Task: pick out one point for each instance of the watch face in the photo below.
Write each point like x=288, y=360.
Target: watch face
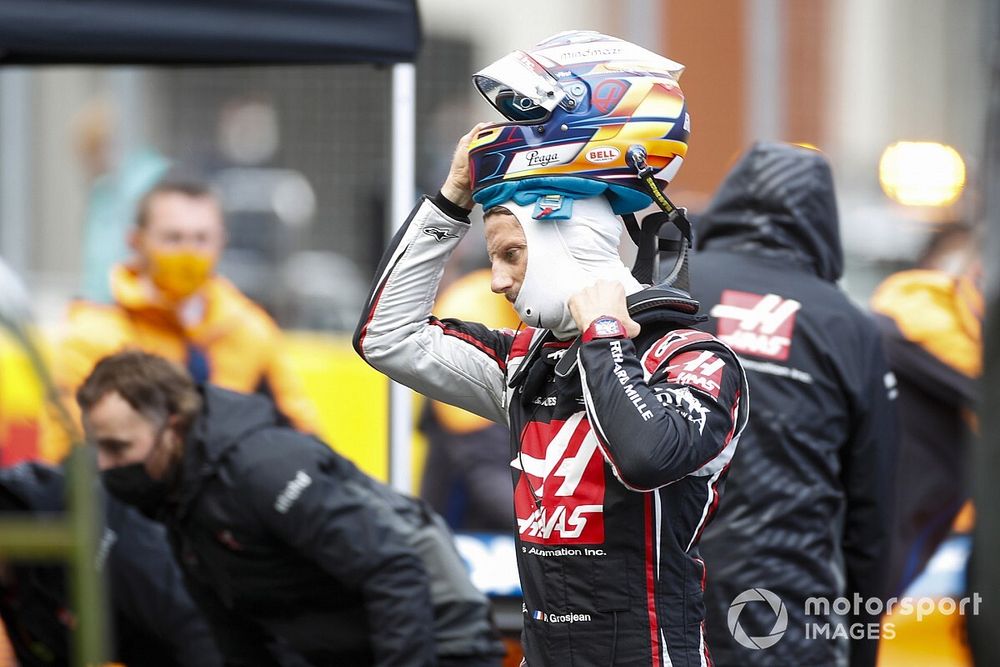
x=607, y=326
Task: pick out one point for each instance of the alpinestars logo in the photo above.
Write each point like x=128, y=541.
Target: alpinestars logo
x=563, y=469
x=760, y=325
x=440, y=234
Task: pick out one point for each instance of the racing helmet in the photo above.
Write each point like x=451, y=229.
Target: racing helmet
x=577, y=104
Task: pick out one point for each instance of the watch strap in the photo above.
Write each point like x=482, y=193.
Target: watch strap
x=604, y=326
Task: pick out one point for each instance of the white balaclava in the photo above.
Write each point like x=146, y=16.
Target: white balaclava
x=564, y=257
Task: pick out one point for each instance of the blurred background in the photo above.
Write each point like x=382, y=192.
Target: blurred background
x=894, y=92
x=301, y=153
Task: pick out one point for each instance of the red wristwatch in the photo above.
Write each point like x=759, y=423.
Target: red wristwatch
x=604, y=326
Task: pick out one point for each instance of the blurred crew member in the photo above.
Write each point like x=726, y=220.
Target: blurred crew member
x=931, y=323
x=117, y=184
x=155, y=622
x=170, y=301
x=623, y=418
x=806, y=509
x=285, y=545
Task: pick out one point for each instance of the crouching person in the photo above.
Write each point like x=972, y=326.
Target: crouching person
x=289, y=549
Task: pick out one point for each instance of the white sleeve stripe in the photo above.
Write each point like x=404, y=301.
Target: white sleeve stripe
x=657, y=512
x=404, y=242
x=712, y=493
x=667, y=662
x=373, y=304
x=389, y=267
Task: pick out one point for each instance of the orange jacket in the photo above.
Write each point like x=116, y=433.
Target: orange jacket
x=241, y=343
x=938, y=312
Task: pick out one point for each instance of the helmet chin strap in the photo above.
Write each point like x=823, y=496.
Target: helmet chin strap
x=646, y=237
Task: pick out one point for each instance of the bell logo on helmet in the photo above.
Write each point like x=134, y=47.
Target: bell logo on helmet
x=602, y=155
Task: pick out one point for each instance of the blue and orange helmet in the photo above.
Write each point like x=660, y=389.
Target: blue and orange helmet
x=576, y=103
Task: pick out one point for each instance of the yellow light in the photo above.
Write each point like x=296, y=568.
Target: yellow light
x=921, y=173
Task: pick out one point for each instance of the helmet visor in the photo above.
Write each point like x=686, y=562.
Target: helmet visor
x=519, y=88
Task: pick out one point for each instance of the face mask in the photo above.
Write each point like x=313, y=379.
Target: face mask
x=133, y=485
x=179, y=274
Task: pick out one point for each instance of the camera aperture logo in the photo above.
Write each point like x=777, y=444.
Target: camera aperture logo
x=757, y=595
x=840, y=618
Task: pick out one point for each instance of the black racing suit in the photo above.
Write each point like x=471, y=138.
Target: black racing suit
x=155, y=622
x=806, y=511
x=618, y=453
x=293, y=552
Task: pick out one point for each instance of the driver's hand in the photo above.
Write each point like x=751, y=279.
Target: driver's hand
x=457, y=187
x=603, y=298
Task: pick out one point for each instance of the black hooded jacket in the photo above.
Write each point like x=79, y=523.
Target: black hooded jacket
x=156, y=624
x=931, y=328
x=292, y=551
x=806, y=507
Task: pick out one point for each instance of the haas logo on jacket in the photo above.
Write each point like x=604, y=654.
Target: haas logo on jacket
x=559, y=498
x=698, y=368
x=760, y=325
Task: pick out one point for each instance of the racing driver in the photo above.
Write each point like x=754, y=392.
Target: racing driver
x=623, y=418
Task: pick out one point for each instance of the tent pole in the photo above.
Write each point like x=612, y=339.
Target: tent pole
x=403, y=157
x=16, y=176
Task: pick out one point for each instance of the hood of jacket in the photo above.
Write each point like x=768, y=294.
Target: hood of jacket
x=226, y=419
x=779, y=201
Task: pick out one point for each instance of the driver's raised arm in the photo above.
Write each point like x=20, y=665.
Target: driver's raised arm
x=462, y=363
